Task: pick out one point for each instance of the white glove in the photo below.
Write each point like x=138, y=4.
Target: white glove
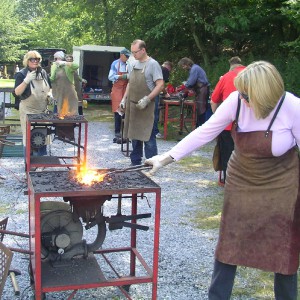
x=143, y=103
x=50, y=98
x=158, y=161
x=29, y=77
x=122, y=105
x=61, y=62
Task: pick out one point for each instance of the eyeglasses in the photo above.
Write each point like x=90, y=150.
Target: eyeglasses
x=245, y=97
x=135, y=52
x=34, y=59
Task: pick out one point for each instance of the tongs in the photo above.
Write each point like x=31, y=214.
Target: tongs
x=130, y=169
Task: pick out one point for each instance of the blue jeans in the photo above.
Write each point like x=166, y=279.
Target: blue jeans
x=137, y=149
x=156, y=115
x=285, y=286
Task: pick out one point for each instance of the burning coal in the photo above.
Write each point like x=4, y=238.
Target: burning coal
x=89, y=176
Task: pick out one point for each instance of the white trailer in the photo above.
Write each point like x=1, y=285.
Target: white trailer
x=94, y=65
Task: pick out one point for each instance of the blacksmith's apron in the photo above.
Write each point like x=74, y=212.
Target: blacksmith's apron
x=201, y=97
x=64, y=92
x=260, y=224
x=118, y=90
x=36, y=103
x=138, y=123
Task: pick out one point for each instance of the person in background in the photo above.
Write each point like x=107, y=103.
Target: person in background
x=223, y=89
x=118, y=75
x=33, y=88
x=63, y=85
x=166, y=69
x=78, y=81
x=260, y=223
x=145, y=83
x=17, y=69
x=197, y=81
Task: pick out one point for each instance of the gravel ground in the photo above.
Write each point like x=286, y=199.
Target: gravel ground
x=186, y=252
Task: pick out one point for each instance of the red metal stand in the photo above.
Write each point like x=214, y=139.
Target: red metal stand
x=48, y=279
x=180, y=119
x=56, y=161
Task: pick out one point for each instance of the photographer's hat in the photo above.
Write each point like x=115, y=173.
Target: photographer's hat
x=126, y=52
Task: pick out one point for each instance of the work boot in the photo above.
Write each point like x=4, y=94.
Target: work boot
x=121, y=141
x=117, y=137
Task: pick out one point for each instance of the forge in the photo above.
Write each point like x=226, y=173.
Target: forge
x=63, y=209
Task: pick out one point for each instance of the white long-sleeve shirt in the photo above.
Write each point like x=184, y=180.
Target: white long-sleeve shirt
x=286, y=127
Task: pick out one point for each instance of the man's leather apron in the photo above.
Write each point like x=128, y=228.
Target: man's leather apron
x=260, y=224
x=138, y=123
x=118, y=90
x=36, y=103
x=201, y=96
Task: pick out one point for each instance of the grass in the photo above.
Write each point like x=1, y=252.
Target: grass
x=98, y=112
x=209, y=216
x=4, y=209
x=7, y=83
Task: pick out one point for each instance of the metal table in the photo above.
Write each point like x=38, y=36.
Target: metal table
x=50, y=122
x=63, y=184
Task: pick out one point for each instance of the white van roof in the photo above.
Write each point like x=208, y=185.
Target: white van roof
x=98, y=48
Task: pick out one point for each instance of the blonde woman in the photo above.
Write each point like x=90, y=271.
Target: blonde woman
x=260, y=224
x=33, y=87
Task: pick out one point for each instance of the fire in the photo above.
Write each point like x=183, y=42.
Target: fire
x=64, y=109
x=88, y=176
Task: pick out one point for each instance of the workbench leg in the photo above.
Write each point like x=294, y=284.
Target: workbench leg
x=156, y=245
x=166, y=120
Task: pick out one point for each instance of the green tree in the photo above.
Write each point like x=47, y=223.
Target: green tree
x=207, y=31
x=10, y=32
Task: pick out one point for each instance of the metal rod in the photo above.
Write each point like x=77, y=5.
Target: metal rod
x=130, y=169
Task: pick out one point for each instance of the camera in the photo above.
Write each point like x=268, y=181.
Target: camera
x=38, y=71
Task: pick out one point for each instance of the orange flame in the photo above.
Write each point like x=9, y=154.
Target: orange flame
x=64, y=109
x=88, y=176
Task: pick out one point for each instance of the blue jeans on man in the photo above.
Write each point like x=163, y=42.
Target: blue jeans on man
x=156, y=115
x=137, y=149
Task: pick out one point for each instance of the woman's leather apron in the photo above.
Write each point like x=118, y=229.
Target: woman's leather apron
x=138, y=123
x=36, y=103
x=118, y=90
x=260, y=224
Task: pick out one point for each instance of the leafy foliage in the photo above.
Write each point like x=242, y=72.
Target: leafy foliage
x=209, y=32
x=10, y=32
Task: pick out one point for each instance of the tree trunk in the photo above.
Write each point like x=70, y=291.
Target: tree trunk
x=200, y=45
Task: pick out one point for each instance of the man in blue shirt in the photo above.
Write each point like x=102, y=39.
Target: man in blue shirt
x=118, y=74
x=197, y=81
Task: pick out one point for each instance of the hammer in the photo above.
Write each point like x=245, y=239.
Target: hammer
x=13, y=273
